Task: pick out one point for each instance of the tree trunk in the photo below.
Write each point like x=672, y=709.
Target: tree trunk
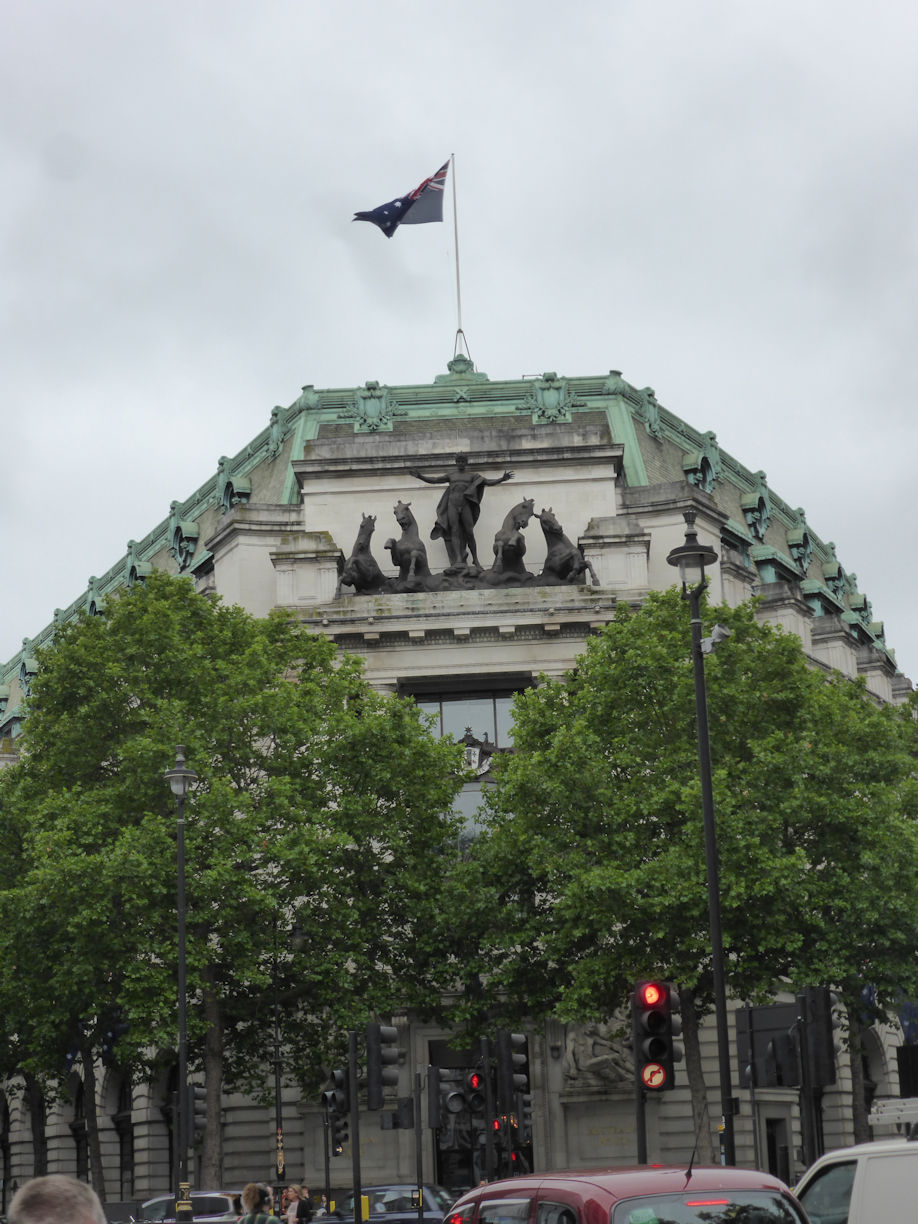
x=858, y=1095
x=212, y=1156
x=701, y=1116
x=96, y=1171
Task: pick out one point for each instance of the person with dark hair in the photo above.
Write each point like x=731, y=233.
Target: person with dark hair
x=56, y=1199
x=258, y=1201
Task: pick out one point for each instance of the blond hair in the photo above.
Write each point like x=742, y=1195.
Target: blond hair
x=56, y=1199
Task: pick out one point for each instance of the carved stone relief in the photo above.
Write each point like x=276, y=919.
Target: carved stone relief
x=594, y=1054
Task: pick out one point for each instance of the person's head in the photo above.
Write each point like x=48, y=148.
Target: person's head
x=256, y=1196
x=56, y=1199
x=295, y=1193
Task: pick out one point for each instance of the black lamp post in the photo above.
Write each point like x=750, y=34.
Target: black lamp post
x=297, y=942
x=180, y=779
x=691, y=559
x=280, y=1164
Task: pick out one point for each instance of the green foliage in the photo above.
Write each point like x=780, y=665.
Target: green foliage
x=594, y=851
x=321, y=807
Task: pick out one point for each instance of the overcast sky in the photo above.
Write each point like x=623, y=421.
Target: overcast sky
x=718, y=198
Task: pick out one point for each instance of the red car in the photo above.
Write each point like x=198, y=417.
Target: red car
x=665, y=1194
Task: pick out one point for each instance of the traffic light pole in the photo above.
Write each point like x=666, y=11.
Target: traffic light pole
x=355, y=1125
x=419, y=1145
x=326, y=1128
x=807, y=1095
x=640, y=1117
x=490, y=1111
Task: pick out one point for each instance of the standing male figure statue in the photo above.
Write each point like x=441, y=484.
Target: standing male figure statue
x=458, y=511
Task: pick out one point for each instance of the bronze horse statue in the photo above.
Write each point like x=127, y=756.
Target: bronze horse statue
x=564, y=562
x=510, y=546
x=409, y=554
x=361, y=571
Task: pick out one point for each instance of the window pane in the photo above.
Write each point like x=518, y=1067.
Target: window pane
x=504, y=722
x=708, y=1207
x=475, y=713
x=556, y=1213
x=467, y=804
x=504, y=1211
x=829, y=1194
x=432, y=707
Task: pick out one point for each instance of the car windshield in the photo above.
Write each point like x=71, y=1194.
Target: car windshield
x=708, y=1207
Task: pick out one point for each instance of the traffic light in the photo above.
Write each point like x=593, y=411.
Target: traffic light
x=197, y=1109
x=337, y=1102
x=475, y=1092
x=782, y=1068
x=445, y=1095
x=820, y=1023
x=907, y=1060
x=655, y=1027
x=512, y=1068
x=524, y=1116
x=382, y=1057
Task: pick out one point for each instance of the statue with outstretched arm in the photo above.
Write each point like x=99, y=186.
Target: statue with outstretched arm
x=458, y=510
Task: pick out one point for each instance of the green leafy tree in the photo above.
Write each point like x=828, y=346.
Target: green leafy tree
x=316, y=840
x=594, y=850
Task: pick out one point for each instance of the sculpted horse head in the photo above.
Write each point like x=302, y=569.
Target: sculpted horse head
x=519, y=516
x=550, y=524
x=365, y=530
x=404, y=517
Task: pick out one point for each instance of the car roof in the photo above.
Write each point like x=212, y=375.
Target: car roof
x=628, y=1181
x=401, y=1185
x=878, y=1147
x=171, y=1194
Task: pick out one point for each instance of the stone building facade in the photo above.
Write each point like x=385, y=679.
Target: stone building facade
x=304, y=519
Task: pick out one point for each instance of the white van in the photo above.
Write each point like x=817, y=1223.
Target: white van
x=865, y=1184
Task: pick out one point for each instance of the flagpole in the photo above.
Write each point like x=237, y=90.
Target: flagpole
x=459, y=331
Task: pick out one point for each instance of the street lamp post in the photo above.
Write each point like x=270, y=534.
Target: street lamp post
x=280, y=1169
x=691, y=559
x=180, y=779
x=297, y=942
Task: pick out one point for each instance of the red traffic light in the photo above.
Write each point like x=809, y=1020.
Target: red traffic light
x=654, y=1029
x=474, y=1092
x=651, y=993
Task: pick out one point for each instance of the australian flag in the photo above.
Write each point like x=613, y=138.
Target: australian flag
x=423, y=204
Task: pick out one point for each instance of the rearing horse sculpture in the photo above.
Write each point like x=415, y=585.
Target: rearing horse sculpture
x=361, y=571
x=510, y=545
x=564, y=562
x=408, y=551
